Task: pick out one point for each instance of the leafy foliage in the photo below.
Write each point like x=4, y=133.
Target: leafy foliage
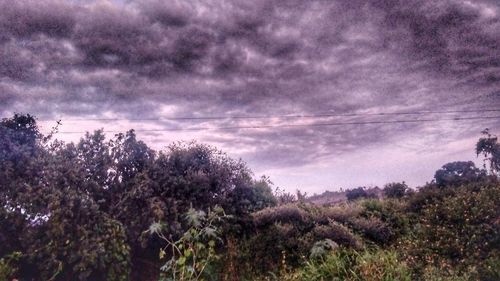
x=191, y=256
x=286, y=233
x=382, y=221
x=490, y=148
x=78, y=211
x=396, y=190
x=460, y=230
x=358, y=193
x=458, y=173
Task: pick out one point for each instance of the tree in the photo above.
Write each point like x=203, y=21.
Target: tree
x=79, y=211
x=21, y=129
x=490, y=148
x=458, y=173
x=396, y=190
x=47, y=195
x=20, y=165
x=246, y=199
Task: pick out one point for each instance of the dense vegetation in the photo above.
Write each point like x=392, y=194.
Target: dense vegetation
x=118, y=210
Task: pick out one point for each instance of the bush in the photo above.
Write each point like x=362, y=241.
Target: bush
x=381, y=221
x=396, y=190
x=193, y=255
x=337, y=233
x=290, y=231
x=289, y=213
x=374, y=229
x=342, y=213
x=274, y=245
x=428, y=195
x=96, y=249
x=458, y=231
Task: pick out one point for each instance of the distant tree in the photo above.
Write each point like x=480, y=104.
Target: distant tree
x=458, y=173
x=396, y=189
x=357, y=193
x=490, y=148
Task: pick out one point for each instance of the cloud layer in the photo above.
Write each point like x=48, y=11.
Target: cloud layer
x=157, y=59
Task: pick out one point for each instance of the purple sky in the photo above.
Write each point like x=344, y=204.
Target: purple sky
x=81, y=61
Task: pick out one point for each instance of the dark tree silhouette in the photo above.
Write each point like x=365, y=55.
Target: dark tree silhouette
x=396, y=190
x=458, y=173
x=358, y=193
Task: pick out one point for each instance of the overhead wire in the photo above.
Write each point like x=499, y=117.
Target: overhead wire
x=278, y=116
x=302, y=125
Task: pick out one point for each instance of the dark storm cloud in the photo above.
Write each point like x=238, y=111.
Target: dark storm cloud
x=456, y=39
x=14, y=65
x=117, y=38
x=175, y=14
x=213, y=58
x=28, y=18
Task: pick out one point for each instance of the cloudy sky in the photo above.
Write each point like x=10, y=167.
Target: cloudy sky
x=317, y=94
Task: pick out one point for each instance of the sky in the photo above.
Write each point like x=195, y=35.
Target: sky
x=318, y=94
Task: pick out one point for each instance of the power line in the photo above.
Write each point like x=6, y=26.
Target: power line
x=279, y=116
x=302, y=125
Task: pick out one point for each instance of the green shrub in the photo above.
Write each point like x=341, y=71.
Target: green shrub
x=374, y=229
x=381, y=221
x=337, y=233
x=396, y=190
x=287, y=233
x=428, y=195
x=267, y=249
x=457, y=231
x=289, y=213
x=192, y=256
x=342, y=213
x=94, y=249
